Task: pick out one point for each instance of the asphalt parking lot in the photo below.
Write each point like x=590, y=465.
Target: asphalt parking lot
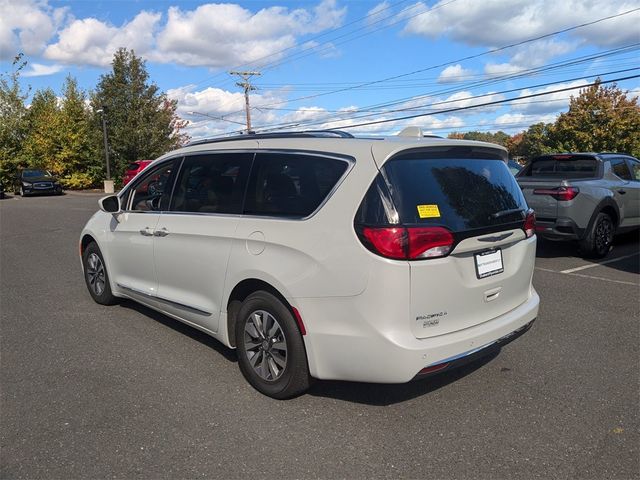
x=122, y=392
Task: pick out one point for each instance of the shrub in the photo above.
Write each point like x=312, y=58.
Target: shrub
x=77, y=181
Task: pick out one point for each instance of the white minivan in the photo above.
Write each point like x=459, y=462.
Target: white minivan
x=320, y=255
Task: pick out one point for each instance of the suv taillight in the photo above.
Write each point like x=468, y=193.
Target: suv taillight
x=529, y=226
x=408, y=243
x=560, y=193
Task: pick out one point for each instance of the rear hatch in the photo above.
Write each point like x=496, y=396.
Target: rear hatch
x=464, y=223
x=547, y=180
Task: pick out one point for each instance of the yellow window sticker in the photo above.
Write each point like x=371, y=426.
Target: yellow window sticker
x=428, y=211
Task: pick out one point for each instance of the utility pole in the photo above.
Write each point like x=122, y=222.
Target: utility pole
x=246, y=85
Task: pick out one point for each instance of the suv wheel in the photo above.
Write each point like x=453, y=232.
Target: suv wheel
x=598, y=241
x=270, y=349
x=96, y=277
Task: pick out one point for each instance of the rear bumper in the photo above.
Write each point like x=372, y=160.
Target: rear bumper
x=358, y=352
x=558, y=229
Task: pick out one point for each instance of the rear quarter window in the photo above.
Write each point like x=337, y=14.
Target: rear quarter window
x=291, y=184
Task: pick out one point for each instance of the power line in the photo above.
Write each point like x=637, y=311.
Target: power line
x=463, y=59
x=555, y=66
x=495, y=102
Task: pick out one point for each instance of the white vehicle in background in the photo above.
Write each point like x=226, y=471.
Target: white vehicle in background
x=320, y=255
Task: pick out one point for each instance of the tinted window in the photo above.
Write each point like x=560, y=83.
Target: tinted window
x=133, y=166
x=291, y=185
x=575, y=166
x=619, y=167
x=153, y=191
x=212, y=183
x=635, y=170
x=458, y=193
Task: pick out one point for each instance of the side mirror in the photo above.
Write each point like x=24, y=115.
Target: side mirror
x=110, y=204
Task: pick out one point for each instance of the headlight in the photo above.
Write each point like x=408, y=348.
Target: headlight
x=26, y=184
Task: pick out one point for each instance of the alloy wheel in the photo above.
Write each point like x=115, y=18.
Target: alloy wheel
x=604, y=235
x=96, y=274
x=265, y=345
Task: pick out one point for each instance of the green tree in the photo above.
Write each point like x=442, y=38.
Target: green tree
x=141, y=121
x=600, y=119
x=535, y=141
x=13, y=126
x=42, y=141
x=77, y=155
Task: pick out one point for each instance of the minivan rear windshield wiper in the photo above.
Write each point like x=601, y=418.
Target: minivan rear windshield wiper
x=502, y=213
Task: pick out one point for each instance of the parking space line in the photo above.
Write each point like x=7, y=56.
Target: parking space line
x=591, y=265
x=589, y=276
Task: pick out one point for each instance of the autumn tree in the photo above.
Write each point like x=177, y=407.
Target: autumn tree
x=600, y=119
x=141, y=121
x=12, y=120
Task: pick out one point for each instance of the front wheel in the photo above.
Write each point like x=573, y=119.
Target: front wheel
x=599, y=238
x=271, y=353
x=96, y=276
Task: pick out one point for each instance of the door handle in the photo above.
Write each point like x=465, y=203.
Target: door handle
x=161, y=233
x=622, y=192
x=146, y=232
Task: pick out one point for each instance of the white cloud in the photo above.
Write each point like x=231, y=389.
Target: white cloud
x=453, y=74
x=516, y=122
x=26, y=26
x=500, y=22
x=553, y=102
x=500, y=69
x=40, y=70
x=92, y=42
x=224, y=35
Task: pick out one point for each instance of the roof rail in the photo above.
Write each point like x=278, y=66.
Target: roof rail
x=259, y=136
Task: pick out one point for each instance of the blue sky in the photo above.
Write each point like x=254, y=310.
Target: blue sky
x=330, y=63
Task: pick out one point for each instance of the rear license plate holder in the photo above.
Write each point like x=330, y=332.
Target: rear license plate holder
x=489, y=263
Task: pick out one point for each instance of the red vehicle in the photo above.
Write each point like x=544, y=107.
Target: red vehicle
x=133, y=169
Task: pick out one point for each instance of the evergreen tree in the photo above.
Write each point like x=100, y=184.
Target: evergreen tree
x=141, y=121
x=42, y=142
x=82, y=166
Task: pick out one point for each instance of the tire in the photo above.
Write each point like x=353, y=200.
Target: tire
x=96, y=276
x=271, y=353
x=599, y=238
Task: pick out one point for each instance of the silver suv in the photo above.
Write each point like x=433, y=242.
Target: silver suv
x=586, y=197
x=320, y=255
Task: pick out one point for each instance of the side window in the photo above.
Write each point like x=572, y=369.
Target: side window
x=619, y=167
x=212, y=183
x=635, y=170
x=291, y=184
x=152, y=192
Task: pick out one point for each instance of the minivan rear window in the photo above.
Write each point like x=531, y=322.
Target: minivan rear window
x=457, y=193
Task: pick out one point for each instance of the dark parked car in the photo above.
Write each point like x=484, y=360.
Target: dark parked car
x=514, y=167
x=35, y=181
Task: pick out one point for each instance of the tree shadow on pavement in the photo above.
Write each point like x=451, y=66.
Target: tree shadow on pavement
x=385, y=394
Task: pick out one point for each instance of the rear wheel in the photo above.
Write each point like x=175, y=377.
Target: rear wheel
x=598, y=241
x=271, y=352
x=96, y=276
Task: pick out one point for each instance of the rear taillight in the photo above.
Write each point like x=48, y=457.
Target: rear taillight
x=529, y=226
x=409, y=243
x=560, y=193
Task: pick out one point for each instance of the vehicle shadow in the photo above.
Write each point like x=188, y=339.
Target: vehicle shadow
x=182, y=328
x=623, y=244
x=385, y=394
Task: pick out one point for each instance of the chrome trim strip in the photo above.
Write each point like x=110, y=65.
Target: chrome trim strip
x=171, y=302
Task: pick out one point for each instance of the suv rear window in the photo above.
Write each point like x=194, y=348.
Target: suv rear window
x=457, y=193
x=133, y=166
x=574, y=166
